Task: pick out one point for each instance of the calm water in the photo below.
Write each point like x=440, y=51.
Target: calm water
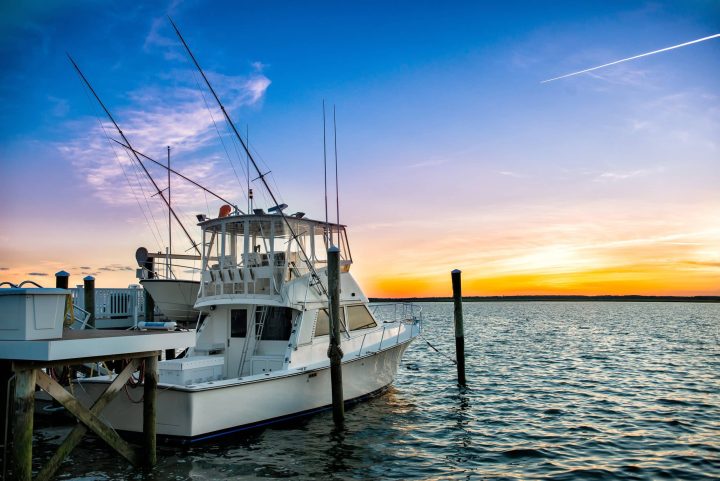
x=557, y=390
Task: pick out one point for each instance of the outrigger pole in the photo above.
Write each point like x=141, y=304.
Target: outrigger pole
x=179, y=175
x=261, y=176
x=159, y=191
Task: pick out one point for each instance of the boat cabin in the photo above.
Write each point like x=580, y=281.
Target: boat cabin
x=259, y=291
x=258, y=255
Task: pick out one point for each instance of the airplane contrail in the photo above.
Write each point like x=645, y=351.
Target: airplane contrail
x=633, y=58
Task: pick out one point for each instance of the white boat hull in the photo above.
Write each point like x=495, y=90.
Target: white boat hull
x=224, y=407
x=174, y=297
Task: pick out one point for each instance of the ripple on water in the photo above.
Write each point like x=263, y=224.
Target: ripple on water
x=566, y=391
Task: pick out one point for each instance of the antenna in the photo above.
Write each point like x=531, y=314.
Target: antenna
x=327, y=230
x=205, y=189
x=169, y=269
x=317, y=283
x=337, y=189
x=134, y=152
x=247, y=165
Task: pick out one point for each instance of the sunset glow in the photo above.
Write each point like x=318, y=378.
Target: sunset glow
x=452, y=154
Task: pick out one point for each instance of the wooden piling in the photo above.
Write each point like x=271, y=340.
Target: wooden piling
x=89, y=291
x=334, y=352
x=149, y=301
x=24, y=404
x=5, y=376
x=62, y=280
x=459, y=328
x=150, y=411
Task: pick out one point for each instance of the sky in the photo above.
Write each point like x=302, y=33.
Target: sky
x=451, y=152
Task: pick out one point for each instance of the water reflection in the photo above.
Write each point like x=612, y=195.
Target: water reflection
x=557, y=390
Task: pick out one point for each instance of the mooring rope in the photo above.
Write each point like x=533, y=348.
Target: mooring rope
x=437, y=350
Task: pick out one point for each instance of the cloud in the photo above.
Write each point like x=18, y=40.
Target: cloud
x=182, y=120
x=116, y=268
x=508, y=173
x=4, y=268
x=160, y=36
x=703, y=263
x=428, y=163
x=37, y=274
x=628, y=174
x=60, y=107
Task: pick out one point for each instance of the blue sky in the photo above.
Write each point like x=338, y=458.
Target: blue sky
x=452, y=153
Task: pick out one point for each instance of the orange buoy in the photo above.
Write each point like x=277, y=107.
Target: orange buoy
x=224, y=211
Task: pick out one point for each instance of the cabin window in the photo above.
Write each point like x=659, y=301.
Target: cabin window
x=322, y=326
x=277, y=325
x=360, y=317
x=238, y=323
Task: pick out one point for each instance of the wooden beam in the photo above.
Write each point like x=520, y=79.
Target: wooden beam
x=23, y=424
x=150, y=410
x=90, y=420
x=81, y=360
x=73, y=439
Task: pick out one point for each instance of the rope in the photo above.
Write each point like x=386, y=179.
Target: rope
x=438, y=351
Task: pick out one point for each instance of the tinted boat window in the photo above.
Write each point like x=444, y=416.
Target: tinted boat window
x=360, y=317
x=278, y=322
x=238, y=323
x=322, y=326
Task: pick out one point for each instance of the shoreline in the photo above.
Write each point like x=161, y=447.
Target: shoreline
x=556, y=298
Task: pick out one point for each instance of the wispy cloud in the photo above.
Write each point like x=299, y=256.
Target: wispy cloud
x=428, y=163
x=624, y=175
x=181, y=119
x=508, y=173
x=116, y=268
x=37, y=274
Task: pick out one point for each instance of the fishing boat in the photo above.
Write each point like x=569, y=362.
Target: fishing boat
x=175, y=297
x=263, y=335
x=261, y=350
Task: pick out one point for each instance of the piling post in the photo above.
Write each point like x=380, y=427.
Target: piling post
x=89, y=294
x=150, y=411
x=6, y=374
x=334, y=352
x=61, y=280
x=149, y=301
x=24, y=404
x=459, y=328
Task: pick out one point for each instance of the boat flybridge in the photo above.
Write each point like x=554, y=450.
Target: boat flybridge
x=262, y=338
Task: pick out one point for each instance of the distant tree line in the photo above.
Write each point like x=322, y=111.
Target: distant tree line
x=553, y=298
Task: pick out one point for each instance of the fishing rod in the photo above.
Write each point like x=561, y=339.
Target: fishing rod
x=157, y=188
x=261, y=176
x=178, y=174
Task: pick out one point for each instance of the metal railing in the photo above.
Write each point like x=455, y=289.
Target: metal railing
x=113, y=303
x=391, y=335
x=396, y=312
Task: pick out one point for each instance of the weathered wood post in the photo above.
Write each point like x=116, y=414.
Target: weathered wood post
x=149, y=301
x=459, y=328
x=23, y=423
x=334, y=352
x=89, y=294
x=6, y=373
x=62, y=280
x=150, y=410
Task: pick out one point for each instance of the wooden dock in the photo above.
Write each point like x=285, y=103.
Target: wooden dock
x=25, y=360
